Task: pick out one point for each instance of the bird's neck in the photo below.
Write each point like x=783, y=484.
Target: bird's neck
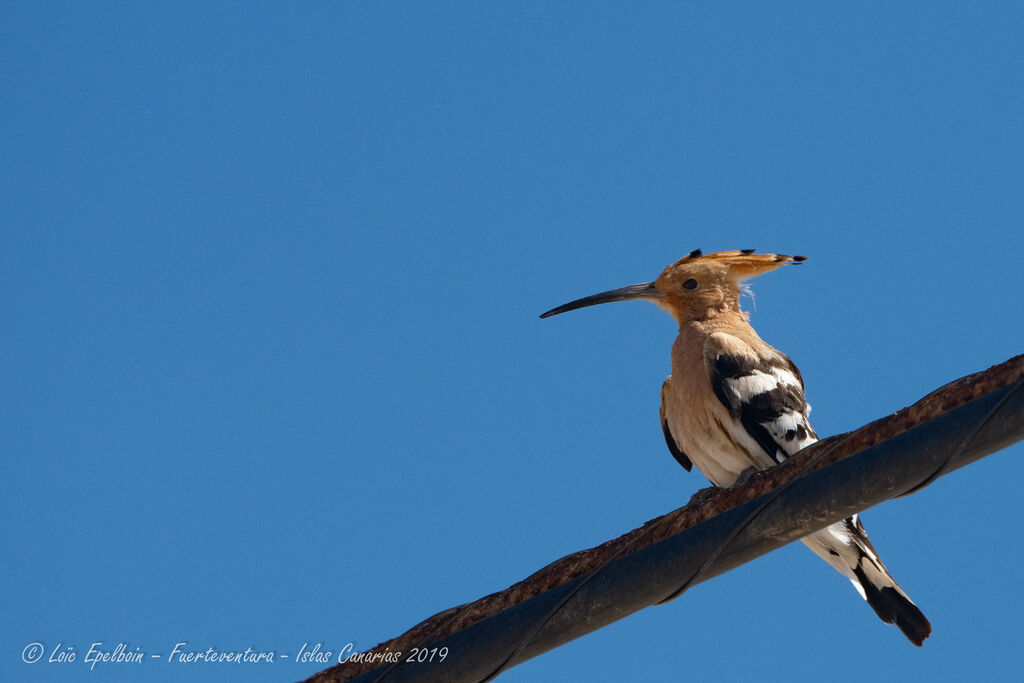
x=688, y=349
x=732, y=321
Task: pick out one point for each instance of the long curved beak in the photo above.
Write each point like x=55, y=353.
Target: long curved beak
x=644, y=290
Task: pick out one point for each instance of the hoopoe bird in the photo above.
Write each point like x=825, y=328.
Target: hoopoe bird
x=733, y=402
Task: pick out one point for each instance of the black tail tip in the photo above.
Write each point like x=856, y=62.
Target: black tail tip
x=916, y=630
x=892, y=607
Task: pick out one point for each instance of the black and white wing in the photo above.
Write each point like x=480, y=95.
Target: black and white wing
x=763, y=391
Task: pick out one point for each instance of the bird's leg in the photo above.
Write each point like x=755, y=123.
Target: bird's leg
x=703, y=496
x=745, y=477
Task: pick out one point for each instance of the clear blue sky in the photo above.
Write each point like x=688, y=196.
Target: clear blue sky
x=272, y=368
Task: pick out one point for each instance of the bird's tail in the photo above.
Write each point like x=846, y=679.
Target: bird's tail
x=846, y=547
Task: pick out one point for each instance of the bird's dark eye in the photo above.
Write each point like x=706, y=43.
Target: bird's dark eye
x=690, y=284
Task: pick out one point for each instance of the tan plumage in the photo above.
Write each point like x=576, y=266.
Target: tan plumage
x=734, y=402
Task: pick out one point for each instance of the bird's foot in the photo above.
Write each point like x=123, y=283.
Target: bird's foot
x=745, y=477
x=703, y=496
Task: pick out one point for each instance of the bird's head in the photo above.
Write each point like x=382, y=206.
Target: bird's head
x=696, y=286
